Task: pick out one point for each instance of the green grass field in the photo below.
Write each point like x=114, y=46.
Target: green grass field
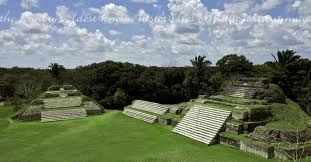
x=109, y=137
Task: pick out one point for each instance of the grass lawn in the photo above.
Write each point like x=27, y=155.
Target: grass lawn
x=109, y=137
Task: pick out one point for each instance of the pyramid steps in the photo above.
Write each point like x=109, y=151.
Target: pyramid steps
x=150, y=107
x=52, y=103
x=202, y=123
x=58, y=115
x=140, y=115
x=243, y=92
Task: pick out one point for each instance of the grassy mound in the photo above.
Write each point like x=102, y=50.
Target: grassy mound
x=274, y=94
x=110, y=137
x=288, y=116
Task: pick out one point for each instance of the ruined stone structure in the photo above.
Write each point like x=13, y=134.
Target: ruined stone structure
x=60, y=103
x=245, y=88
x=202, y=123
x=145, y=110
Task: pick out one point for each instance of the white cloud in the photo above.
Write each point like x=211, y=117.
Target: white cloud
x=26, y=42
x=270, y=4
x=28, y=4
x=168, y=43
x=239, y=6
x=3, y=2
x=144, y=1
x=142, y=16
x=113, y=13
x=303, y=7
x=114, y=32
x=297, y=4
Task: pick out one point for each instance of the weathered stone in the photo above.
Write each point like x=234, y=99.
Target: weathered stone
x=272, y=135
x=259, y=114
x=294, y=136
x=31, y=114
x=185, y=110
x=236, y=128
x=69, y=87
x=62, y=102
x=203, y=97
x=230, y=142
x=174, y=123
x=92, y=109
x=264, y=134
x=250, y=126
x=175, y=110
x=292, y=154
x=164, y=121
x=240, y=115
x=260, y=150
x=54, y=88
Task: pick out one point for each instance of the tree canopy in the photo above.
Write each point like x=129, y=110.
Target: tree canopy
x=56, y=69
x=233, y=64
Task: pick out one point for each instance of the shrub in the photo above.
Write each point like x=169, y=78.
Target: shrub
x=37, y=102
x=120, y=98
x=274, y=94
x=86, y=99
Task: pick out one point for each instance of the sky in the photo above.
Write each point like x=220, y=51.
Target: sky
x=35, y=33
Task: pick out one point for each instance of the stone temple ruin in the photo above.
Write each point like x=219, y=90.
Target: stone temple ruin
x=146, y=111
x=234, y=118
x=60, y=103
x=202, y=123
x=245, y=87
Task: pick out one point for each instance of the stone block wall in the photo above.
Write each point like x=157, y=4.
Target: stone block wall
x=292, y=154
x=230, y=142
x=33, y=113
x=263, y=151
x=164, y=121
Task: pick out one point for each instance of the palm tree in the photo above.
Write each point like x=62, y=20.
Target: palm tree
x=281, y=69
x=282, y=61
x=56, y=69
x=200, y=66
x=285, y=58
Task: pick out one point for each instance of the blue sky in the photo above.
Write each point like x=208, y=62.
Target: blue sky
x=166, y=43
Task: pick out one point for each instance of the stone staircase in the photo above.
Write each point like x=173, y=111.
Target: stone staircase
x=242, y=92
x=202, y=123
x=62, y=114
x=52, y=103
x=140, y=115
x=150, y=107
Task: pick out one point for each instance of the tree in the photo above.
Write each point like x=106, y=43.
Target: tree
x=27, y=88
x=234, y=65
x=6, y=90
x=284, y=71
x=56, y=69
x=286, y=58
x=200, y=66
x=120, y=98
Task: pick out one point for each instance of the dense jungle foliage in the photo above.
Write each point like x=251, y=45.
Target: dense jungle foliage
x=115, y=84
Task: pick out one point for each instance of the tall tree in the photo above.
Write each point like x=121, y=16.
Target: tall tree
x=284, y=71
x=56, y=69
x=200, y=66
x=234, y=65
x=284, y=59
